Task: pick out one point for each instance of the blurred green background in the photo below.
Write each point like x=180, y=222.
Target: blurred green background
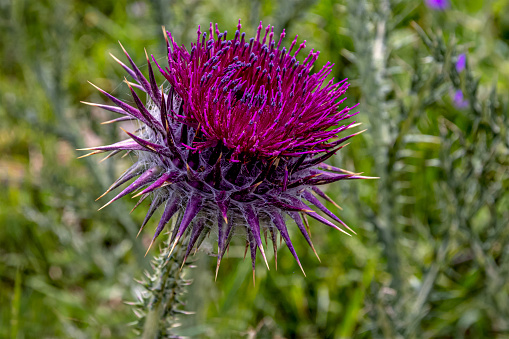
x=431, y=257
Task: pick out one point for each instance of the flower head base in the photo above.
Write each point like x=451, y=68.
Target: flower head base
x=236, y=141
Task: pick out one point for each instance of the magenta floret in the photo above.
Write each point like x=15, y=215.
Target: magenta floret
x=254, y=96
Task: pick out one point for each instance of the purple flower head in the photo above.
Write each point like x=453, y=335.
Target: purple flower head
x=461, y=63
x=438, y=5
x=236, y=141
x=458, y=100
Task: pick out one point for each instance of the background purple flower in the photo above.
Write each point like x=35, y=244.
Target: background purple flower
x=438, y=5
x=458, y=100
x=461, y=62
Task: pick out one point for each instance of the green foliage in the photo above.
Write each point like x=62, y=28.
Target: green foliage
x=431, y=256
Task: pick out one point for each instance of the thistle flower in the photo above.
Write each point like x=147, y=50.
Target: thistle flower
x=236, y=141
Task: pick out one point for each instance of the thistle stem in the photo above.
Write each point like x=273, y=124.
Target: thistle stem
x=167, y=285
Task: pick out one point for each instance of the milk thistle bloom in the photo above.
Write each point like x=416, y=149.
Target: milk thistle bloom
x=236, y=141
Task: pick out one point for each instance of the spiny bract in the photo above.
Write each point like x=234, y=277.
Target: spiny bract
x=235, y=141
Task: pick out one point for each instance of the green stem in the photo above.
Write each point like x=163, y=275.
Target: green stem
x=165, y=285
